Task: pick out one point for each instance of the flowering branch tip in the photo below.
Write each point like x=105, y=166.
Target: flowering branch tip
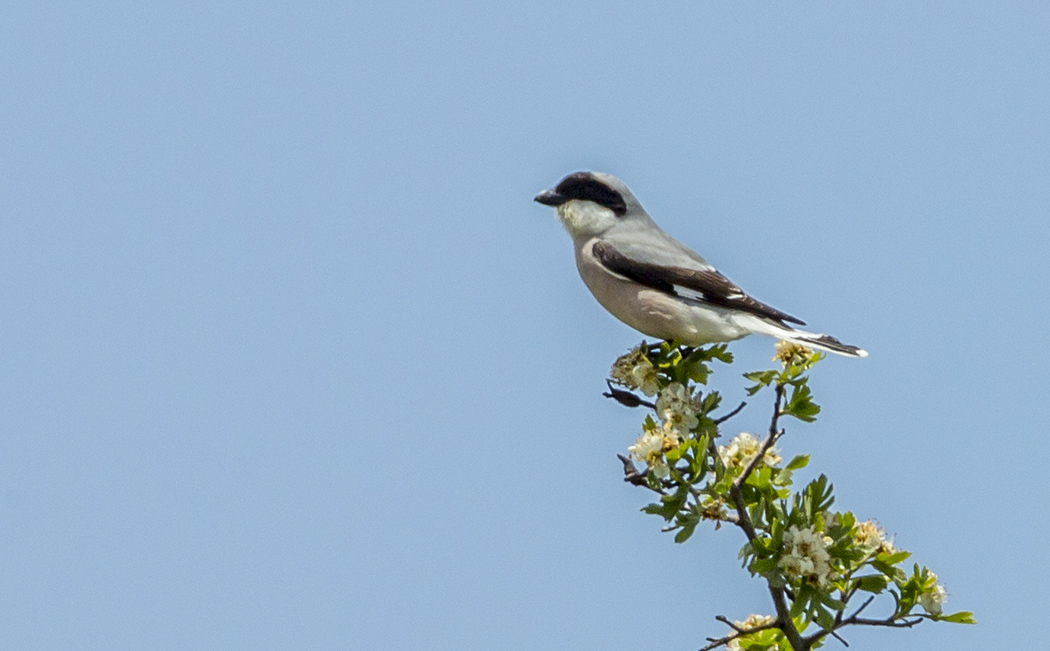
x=815, y=561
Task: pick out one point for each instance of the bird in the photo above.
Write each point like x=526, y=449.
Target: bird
x=654, y=283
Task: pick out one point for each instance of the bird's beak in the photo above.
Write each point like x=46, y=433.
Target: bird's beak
x=550, y=198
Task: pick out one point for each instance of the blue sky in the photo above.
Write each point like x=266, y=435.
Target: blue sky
x=290, y=359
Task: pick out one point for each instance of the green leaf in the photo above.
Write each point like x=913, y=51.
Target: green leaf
x=688, y=524
x=800, y=603
x=823, y=617
x=762, y=546
x=893, y=559
x=745, y=551
x=721, y=353
x=798, y=462
x=695, y=370
x=710, y=402
x=843, y=528
x=874, y=583
x=761, y=379
x=698, y=466
x=783, y=478
x=760, y=477
x=765, y=377
x=961, y=617
x=763, y=566
x=721, y=487
x=800, y=404
x=892, y=573
x=669, y=505
x=829, y=601
x=694, y=365
x=816, y=498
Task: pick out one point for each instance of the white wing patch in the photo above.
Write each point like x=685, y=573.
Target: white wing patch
x=688, y=292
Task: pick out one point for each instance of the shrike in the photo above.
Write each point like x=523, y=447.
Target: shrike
x=654, y=283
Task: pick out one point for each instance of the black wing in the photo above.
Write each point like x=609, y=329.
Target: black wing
x=698, y=284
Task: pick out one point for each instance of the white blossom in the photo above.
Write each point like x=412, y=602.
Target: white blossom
x=805, y=555
x=932, y=600
x=742, y=449
x=870, y=535
x=650, y=447
x=660, y=468
x=752, y=621
x=677, y=407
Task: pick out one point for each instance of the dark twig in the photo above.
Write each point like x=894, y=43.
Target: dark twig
x=743, y=519
x=739, y=632
x=725, y=620
x=846, y=596
x=736, y=411
x=626, y=398
x=632, y=476
x=855, y=619
x=863, y=606
x=892, y=623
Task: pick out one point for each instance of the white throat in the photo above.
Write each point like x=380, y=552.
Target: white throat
x=585, y=218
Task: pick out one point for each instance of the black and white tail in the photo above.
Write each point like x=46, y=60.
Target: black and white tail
x=813, y=340
x=825, y=342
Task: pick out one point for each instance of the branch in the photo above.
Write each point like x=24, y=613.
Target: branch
x=855, y=619
x=784, y=621
x=774, y=434
x=632, y=476
x=740, y=632
x=626, y=398
x=736, y=411
x=863, y=606
x=757, y=459
x=889, y=621
x=725, y=620
x=735, y=489
x=743, y=518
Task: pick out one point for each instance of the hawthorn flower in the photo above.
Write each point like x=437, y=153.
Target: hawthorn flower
x=752, y=621
x=790, y=353
x=805, y=555
x=871, y=536
x=635, y=371
x=650, y=447
x=742, y=449
x=677, y=407
x=932, y=599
